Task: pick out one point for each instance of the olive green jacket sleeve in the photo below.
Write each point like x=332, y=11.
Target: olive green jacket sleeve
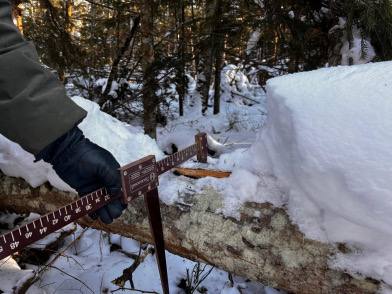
x=34, y=108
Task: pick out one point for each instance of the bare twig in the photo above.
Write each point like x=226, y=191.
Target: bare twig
x=120, y=54
x=71, y=276
x=61, y=253
x=128, y=272
x=194, y=279
x=132, y=289
x=250, y=99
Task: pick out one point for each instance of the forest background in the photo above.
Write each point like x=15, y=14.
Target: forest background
x=135, y=58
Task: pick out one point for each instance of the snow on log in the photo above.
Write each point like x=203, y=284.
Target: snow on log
x=322, y=160
x=262, y=245
x=327, y=142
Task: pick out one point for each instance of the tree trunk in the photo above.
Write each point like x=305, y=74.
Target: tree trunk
x=217, y=83
x=206, y=54
x=113, y=75
x=263, y=245
x=181, y=78
x=194, y=40
x=61, y=50
x=219, y=46
x=150, y=99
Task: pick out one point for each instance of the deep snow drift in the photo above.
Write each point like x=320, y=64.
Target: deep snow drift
x=328, y=140
x=325, y=153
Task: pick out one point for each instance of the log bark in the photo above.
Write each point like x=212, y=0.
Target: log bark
x=263, y=245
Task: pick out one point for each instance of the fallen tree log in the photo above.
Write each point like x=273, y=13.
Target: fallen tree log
x=263, y=245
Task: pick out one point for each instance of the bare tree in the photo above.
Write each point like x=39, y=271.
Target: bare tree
x=181, y=78
x=218, y=49
x=150, y=99
x=210, y=47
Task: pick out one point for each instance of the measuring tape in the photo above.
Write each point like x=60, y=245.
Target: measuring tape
x=138, y=178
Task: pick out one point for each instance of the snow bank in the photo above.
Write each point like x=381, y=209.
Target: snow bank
x=12, y=276
x=328, y=140
x=125, y=142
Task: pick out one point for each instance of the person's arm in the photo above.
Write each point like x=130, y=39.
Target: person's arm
x=34, y=109
x=36, y=113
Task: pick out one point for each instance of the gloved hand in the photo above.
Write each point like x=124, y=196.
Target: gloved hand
x=86, y=167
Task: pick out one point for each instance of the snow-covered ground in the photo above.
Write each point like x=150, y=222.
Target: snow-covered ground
x=242, y=113
x=88, y=263
x=324, y=154
x=89, y=266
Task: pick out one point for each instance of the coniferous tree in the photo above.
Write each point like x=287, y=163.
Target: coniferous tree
x=88, y=41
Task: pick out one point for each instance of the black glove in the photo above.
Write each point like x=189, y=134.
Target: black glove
x=86, y=167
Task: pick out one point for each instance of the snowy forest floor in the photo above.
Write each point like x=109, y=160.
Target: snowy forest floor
x=330, y=175
x=87, y=260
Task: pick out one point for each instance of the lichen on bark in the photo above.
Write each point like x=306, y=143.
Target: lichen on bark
x=263, y=245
